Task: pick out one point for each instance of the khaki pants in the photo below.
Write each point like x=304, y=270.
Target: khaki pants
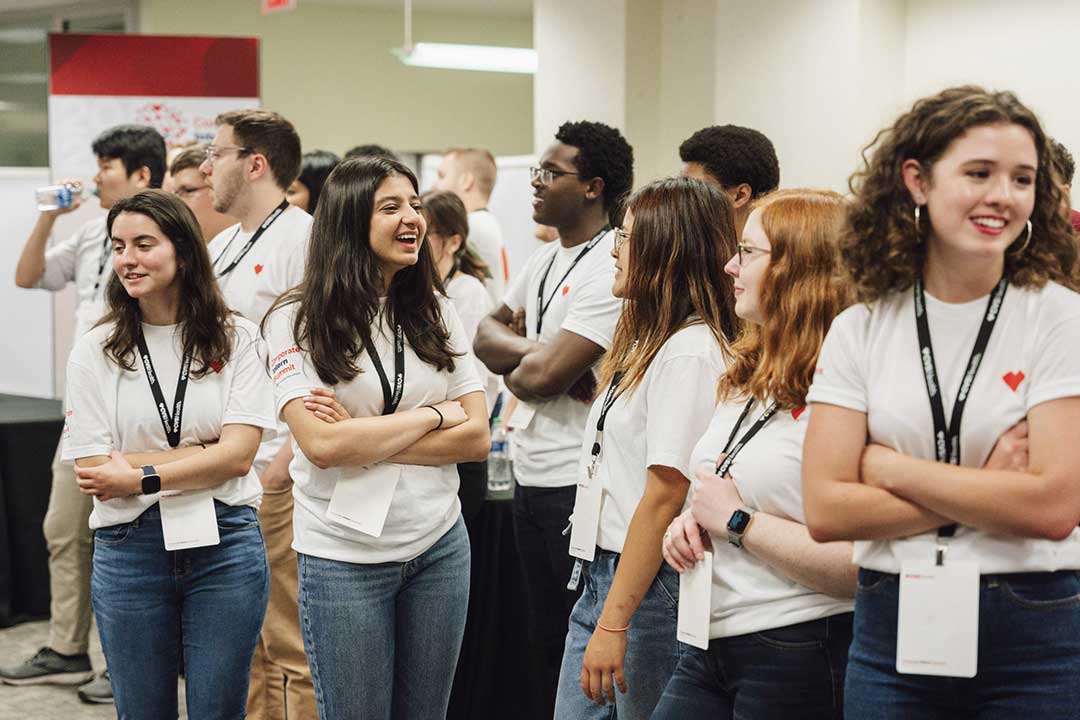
x=280, y=680
x=70, y=544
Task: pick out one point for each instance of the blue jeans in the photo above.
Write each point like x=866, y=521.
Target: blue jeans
x=152, y=604
x=788, y=672
x=382, y=640
x=652, y=650
x=1029, y=654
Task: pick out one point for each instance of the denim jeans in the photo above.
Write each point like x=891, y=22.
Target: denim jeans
x=652, y=650
x=788, y=672
x=382, y=640
x=540, y=516
x=151, y=604
x=1029, y=654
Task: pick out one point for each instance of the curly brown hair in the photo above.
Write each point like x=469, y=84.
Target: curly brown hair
x=880, y=245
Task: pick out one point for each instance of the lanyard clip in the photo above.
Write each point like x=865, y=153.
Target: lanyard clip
x=939, y=555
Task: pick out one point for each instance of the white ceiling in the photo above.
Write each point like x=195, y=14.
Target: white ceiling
x=512, y=8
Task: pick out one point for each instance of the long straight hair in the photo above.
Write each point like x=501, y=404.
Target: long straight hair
x=802, y=291
x=204, y=318
x=339, y=296
x=683, y=234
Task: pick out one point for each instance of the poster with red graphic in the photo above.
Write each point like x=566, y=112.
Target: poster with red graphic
x=176, y=84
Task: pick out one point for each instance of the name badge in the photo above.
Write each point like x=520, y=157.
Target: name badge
x=938, y=626
x=522, y=416
x=188, y=520
x=695, y=603
x=586, y=522
x=362, y=496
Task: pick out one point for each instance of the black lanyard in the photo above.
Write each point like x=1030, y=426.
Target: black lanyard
x=105, y=253
x=274, y=214
x=391, y=398
x=541, y=306
x=169, y=421
x=609, y=400
x=729, y=457
x=947, y=437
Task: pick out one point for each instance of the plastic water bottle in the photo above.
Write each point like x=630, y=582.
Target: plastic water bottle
x=60, y=197
x=500, y=466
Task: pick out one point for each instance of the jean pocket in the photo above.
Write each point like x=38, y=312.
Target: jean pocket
x=113, y=534
x=802, y=636
x=1043, y=591
x=231, y=519
x=666, y=586
x=872, y=581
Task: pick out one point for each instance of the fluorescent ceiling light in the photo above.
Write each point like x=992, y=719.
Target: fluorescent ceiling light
x=22, y=36
x=489, y=58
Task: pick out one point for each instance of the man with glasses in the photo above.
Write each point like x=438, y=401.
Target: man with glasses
x=130, y=158
x=190, y=185
x=570, y=316
x=253, y=159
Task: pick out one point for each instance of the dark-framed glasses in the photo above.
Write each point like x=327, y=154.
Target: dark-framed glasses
x=748, y=252
x=547, y=176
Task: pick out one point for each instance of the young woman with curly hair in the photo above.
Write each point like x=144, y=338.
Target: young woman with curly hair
x=779, y=620
x=967, y=538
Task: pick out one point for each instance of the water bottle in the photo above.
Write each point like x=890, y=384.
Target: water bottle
x=60, y=197
x=500, y=468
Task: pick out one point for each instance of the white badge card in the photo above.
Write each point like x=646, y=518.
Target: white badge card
x=586, y=523
x=938, y=626
x=695, y=603
x=188, y=520
x=362, y=496
x=523, y=415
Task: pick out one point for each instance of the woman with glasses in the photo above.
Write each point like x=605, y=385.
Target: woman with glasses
x=657, y=395
x=776, y=616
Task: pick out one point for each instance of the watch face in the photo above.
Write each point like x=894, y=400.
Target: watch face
x=739, y=521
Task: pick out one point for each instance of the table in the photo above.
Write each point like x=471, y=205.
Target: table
x=29, y=431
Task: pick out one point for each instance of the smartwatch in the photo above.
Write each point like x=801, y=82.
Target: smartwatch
x=738, y=525
x=151, y=481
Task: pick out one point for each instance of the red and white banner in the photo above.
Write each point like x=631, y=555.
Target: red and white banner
x=176, y=84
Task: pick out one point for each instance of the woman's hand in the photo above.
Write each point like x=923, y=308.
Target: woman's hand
x=715, y=500
x=604, y=657
x=1011, y=450
x=324, y=404
x=453, y=414
x=113, y=479
x=685, y=542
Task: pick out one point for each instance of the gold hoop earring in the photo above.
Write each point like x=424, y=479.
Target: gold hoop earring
x=1027, y=240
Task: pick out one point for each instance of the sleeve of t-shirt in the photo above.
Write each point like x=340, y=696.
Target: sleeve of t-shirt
x=251, y=394
x=463, y=379
x=60, y=261
x=594, y=310
x=289, y=369
x=87, y=431
x=1055, y=373
x=840, y=378
x=681, y=400
x=516, y=295
x=474, y=306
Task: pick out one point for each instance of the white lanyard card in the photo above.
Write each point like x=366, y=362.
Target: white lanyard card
x=938, y=619
x=188, y=520
x=586, y=518
x=362, y=496
x=695, y=603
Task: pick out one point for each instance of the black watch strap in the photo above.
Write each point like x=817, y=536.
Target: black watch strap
x=151, y=481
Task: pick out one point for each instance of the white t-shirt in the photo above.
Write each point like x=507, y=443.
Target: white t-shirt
x=870, y=363
x=486, y=237
x=546, y=450
x=657, y=424
x=748, y=595
x=274, y=265
x=85, y=258
x=110, y=408
x=425, y=503
x=473, y=303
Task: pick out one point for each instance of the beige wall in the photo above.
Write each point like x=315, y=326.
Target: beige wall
x=329, y=69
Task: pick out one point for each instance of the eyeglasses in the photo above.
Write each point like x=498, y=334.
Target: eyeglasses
x=748, y=252
x=546, y=176
x=186, y=192
x=621, y=236
x=213, y=153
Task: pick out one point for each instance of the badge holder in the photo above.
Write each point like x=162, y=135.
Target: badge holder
x=188, y=519
x=695, y=603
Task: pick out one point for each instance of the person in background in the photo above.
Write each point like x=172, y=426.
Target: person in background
x=170, y=155
x=1065, y=169
x=371, y=150
x=190, y=185
x=315, y=166
x=130, y=158
x=741, y=161
x=470, y=173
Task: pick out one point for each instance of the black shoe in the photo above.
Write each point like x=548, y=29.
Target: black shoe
x=98, y=690
x=49, y=667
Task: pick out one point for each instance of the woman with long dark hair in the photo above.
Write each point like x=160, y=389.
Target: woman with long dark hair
x=383, y=553
x=168, y=401
x=658, y=381
x=315, y=167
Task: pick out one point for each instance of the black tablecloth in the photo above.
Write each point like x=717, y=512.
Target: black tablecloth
x=29, y=430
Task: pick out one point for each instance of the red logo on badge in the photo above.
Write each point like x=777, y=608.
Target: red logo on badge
x=216, y=365
x=258, y=269
x=1013, y=379
x=798, y=411
x=565, y=289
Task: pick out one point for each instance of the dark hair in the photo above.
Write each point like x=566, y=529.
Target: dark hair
x=446, y=215
x=315, y=166
x=205, y=321
x=371, y=151
x=734, y=155
x=269, y=134
x=339, y=296
x=191, y=157
x=602, y=153
x=1063, y=162
x=881, y=245
x=137, y=146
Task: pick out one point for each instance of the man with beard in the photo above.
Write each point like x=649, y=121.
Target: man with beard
x=254, y=157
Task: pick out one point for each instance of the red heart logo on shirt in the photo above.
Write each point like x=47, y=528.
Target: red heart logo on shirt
x=565, y=289
x=258, y=269
x=798, y=411
x=216, y=365
x=1013, y=379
